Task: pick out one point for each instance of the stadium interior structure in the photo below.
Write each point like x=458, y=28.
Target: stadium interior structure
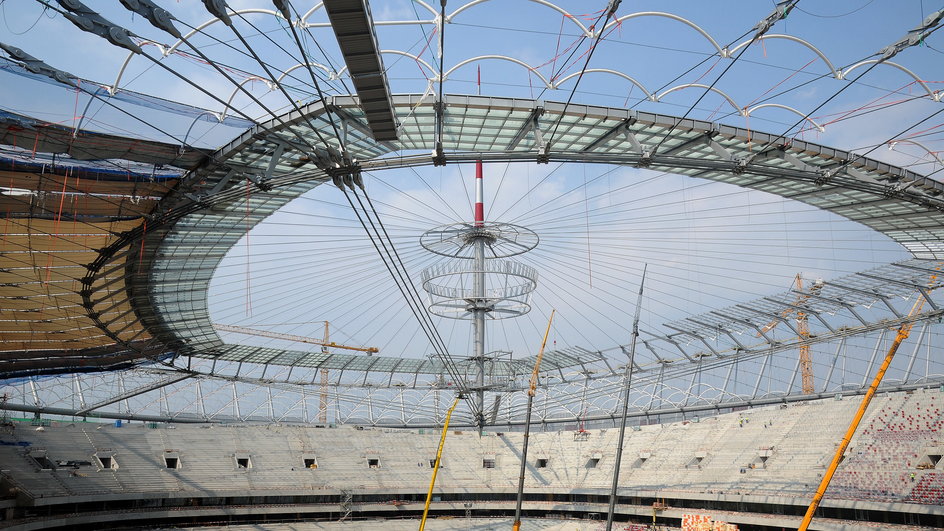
x=647, y=261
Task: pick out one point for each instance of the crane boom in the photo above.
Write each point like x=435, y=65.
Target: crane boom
x=289, y=337
x=903, y=332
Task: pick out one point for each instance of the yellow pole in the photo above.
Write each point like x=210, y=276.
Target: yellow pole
x=432, y=482
x=903, y=331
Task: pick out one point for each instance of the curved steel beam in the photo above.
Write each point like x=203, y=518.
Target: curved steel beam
x=583, y=29
x=818, y=127
x=836, y=73
x=501, y=58
x=936, y=96
x=649, y=95
x=214, y=20
x=892, y=143
x=721, y=51
x=331, y=75
x=168, y=51
x=707, y=87
x=113, y=89
x=229, y=101
x=395, y=52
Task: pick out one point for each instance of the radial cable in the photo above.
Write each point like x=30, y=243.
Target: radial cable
x=415, y=298
x=407, y=294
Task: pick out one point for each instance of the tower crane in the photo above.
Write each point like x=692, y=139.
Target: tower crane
x=301, y=339
x=325, y=345
x=803, y=329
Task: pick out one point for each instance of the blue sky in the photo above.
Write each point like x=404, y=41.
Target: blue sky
x=709, y=245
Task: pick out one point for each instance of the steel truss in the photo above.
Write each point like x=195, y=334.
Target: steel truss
x=692, y=371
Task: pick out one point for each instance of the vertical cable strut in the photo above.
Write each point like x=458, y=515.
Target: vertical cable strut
x=627, y=381
x=903, y=332
x=527, y=425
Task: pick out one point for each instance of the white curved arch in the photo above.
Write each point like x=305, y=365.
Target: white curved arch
x=287, y=71
x=173, y=48
x=788, y=108
x=303, y=20
x=214, y=20
x=696, y=27
x=395, y=52
x=936, y=96
x=499, y=57
x=649, y=95
x=707, y=87
x=562, y=11
x=836, y=73
x=113, y=89
x=239, y=87
x=891, y=145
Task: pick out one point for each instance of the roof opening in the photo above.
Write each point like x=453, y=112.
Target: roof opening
x=432, y=463
x=488, y=462
x=373, y=462
x=107, y=461
x=310, y=462
x=243, y=462
x=541, y=462
x=42, y=461
x=593, y=462
x=172, y=462
x=929, y=461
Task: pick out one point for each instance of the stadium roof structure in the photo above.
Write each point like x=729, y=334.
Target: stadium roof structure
x=113, y=241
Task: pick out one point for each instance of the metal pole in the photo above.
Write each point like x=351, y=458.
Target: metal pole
x=527, y=425
x=627, y=380
x=478, y=294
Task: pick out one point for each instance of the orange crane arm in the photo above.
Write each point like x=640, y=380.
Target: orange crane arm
x=289, y=337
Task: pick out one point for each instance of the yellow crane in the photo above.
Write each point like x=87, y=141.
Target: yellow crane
x=803, y=329
x=903, y=332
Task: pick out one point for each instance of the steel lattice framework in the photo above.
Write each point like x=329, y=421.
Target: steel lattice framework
x=141, y=292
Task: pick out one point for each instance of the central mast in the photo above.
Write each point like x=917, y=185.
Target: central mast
x=478, y=284
x=480, y=304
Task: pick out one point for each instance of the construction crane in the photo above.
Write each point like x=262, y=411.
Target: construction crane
x=325, y=345
x=323, y=401
x=803, y=329
x=904, y=330
x=288, y=337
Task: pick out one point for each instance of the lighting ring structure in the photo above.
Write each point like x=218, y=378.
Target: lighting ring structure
x=508, y=285
x=169, y=265
x=503, y=240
